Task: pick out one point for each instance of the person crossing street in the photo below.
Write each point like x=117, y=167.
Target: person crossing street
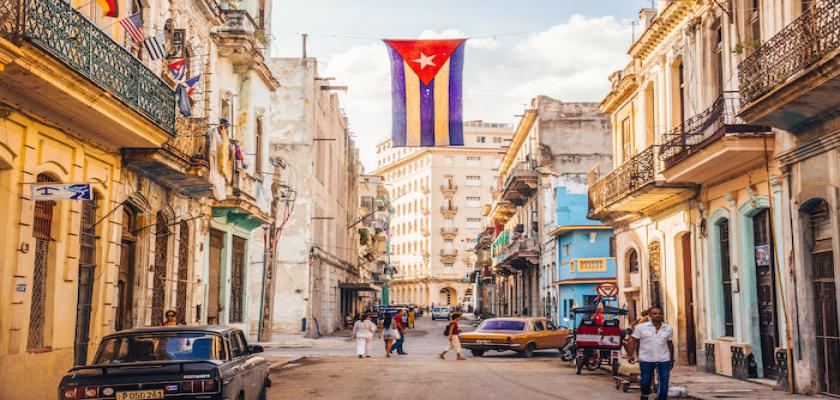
x=452, y=331
x=364, y=329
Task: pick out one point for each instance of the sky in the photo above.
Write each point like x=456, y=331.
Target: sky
x=517, y=49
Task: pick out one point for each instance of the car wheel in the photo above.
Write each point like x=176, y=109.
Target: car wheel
x=477, y=353
x=578, y=365
x=529, y=351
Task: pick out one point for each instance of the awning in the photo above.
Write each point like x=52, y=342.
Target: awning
x=359, y=287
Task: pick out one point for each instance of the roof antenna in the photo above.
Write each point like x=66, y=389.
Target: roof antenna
x=303, y=37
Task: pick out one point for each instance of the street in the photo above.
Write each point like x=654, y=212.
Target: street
x=336, y=373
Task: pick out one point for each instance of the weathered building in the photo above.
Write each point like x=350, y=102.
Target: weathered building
x=555, y=144
x=437, y=194
x=318, y=250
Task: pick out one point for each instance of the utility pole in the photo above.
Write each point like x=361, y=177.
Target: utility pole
x=269, y=283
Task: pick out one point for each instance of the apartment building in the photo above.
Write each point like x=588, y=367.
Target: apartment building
x=437, y=194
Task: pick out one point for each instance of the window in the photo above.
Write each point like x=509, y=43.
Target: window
x=473, y=223
x=588, y=299
x=448, y=268
x=448, y=244
x=633, y=262
x=473, y=180
x=161, y=277
x=538, y=326
x=42, y=232
x=237, y=344
x=473, y=201
x=87, y=265
x=593, y=237
x=567, y=249
x=258, y=161
x=626, y=141
x=448, y=161
x=754, y=15
x=473, y=161
x=173, y=346
x=726, y=277
x=481, y=139
x=497, y=139
x=717, y=59
x=449, y=223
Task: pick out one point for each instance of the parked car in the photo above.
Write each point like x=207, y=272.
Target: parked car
x=523, y=335
x=440, y=313
x=179, y=362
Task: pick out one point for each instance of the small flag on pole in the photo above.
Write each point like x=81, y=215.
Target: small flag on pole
x=191, y=84
x=110, y=8
x=178, y=70
x=183, y=100
x=154, y=45
x=133, y=25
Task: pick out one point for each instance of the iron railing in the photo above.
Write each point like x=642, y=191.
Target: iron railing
x=805, y=41
x=704, y=128
x=191, y=139
x=57, y=28
x=633, y=174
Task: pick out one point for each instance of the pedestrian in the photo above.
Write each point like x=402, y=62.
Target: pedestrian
x=654, y=340
x=644, y=318
x=399, y=326
x=452, y=331
x=170, y=318
x=525, y=312
x=364, y=329
x=388, y=333
x=411, y=317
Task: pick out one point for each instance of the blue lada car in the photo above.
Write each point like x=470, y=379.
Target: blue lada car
x=179, y=362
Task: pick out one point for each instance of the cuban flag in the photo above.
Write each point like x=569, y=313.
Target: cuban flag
x=178, y=70
x=426, y=92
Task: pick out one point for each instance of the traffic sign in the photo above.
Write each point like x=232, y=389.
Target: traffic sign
x=607, y=289
x=61, y=191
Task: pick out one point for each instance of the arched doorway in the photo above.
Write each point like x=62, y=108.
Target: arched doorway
x=655, y=274
x=685, y=314
x=126, y=275
x=631, y=269
x=447, y=296
x=159, y=278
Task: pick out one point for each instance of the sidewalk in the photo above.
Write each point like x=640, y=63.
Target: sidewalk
x=301, y=342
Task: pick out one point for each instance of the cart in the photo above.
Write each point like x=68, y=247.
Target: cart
x=598, y=342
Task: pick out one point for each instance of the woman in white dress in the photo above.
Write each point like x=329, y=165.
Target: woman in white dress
x=364, y=330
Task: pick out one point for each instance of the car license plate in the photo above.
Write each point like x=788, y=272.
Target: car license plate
x=140, y=395
x=484, y=341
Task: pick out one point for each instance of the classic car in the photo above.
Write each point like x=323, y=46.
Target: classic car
x=440, y=312
x=179, y=362
x=523, y=335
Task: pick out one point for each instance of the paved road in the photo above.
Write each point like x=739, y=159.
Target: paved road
x=336, y=373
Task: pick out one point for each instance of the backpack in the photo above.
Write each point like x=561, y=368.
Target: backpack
x=446, y=330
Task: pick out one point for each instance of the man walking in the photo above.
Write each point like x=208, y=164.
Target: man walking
x=654, y=340
x=364, y=329
x=399, y=325
x=452, y=332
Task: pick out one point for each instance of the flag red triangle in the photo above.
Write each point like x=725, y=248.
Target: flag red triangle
x=425, y=57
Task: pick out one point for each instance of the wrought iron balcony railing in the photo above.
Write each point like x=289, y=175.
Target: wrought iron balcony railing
x=57, y=28
x=704, y=128
x=633, y=174
x=191, y=139
x=805, y=41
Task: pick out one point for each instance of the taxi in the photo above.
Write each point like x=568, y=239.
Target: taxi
x=523, y=335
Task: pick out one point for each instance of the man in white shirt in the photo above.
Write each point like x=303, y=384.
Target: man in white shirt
x=654, y=340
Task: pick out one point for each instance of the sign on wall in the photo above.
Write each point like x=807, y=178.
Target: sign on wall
x=61, y=191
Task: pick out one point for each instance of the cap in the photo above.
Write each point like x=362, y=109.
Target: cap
x=224, y=122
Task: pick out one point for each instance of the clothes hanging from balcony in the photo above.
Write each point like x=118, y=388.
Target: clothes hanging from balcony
x=216, y=156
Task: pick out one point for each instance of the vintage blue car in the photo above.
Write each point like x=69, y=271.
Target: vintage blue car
x=179, y=362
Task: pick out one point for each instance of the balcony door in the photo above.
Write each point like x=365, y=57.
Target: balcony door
x=217, y=244
x=765, y=286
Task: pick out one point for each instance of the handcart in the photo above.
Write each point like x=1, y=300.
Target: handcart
x=598, y=342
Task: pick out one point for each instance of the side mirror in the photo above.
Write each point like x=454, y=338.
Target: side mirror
x=255, y=348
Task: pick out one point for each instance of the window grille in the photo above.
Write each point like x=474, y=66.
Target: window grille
x=159, y=281
x=183, y=261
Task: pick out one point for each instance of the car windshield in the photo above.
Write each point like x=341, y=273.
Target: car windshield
x=161, y=347
x=502, y=325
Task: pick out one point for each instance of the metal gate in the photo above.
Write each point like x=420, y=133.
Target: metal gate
x=655, y=270
x=41, y=231
x=827, y=329
x=161, y=255
x=183, y=261
x=237, y=280
x=87, y=265
x=765, y=285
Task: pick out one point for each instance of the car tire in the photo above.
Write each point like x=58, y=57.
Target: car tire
x=529, y=351
x=477, y=353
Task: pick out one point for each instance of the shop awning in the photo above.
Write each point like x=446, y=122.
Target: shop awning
x=359, y=287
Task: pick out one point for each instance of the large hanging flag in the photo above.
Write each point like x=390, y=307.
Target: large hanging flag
x=426, y=92
x=110, y=8
x=154, y=45
x=133, y=25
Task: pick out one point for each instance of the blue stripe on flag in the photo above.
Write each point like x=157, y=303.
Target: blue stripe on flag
x=398, y=118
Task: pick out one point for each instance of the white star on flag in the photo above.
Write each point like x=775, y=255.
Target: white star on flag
x=425, y=60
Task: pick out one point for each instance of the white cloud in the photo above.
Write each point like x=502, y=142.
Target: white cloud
x=569, y=62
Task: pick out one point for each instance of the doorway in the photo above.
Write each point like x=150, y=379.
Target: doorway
x=217, y=244
x=687, y=299
x=827, y=328
x=765, y=286
x=237, y=280
x=125, y=276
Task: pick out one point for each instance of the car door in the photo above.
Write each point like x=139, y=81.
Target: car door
x=539, y=334
x=556, y=336
x=238, y=381
x=255, y=369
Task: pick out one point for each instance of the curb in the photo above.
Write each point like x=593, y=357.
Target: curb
x=278, y=365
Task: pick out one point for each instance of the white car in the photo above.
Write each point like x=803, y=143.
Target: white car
x=440, y=312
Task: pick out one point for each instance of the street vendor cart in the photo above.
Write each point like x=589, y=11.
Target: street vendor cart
x=598, y=337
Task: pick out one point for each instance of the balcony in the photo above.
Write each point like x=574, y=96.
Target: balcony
x=523, y=252
x=714, y=145
x=424, y=210
x=243, y=41
x=449, y=232
x=57, y=62
x=791, y=81
x=181, y=163
x=587, y=270
x=448, y=255
x=634, y=187
x=448, y=188
x=520, y=184
x=424, y=189
x=502, y=210
x=448, y=210
x=499, y=248
x=242, y=207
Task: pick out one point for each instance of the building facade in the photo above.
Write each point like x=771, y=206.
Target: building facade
x=703, y=195
x=584, y=257
x=556, y=144
x=437, y=194
x=372, y=226
x=318, y=249
x=83, y=269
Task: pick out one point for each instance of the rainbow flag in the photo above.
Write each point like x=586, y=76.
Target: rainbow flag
x=426, y=92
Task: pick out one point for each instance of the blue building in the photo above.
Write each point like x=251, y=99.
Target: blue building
x=584, y=249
